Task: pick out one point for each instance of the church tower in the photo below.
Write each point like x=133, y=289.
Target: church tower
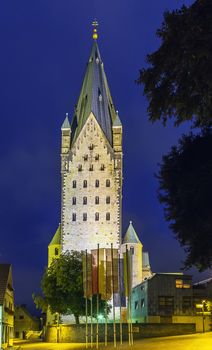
x=91, y=166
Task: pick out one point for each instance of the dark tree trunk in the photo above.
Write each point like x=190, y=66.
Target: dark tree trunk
x=76, y=319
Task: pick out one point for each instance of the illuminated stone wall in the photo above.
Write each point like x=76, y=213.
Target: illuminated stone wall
x=91, y=214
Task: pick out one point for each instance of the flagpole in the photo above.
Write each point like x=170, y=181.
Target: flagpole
x=91, y=320
x=120, y=323
x=106, y=298
x=97, y=300
x=128, y=292
x=131, y=267
x=114, y=316
x=86, y=300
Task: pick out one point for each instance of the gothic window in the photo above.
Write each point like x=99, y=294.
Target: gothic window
x=107, y=216
x=97, y=183
x=107, y=183
x=85, y=183
x=74, y=184
x=102, y=167
x=97, y=216
x=97, y=157
x=56, y=251
x=84, y=200
x=84, y=216
x=91, y=167
x=80, y=167
x=74, y=216
x=74, y=201
x=108, y=200
x=97, y=200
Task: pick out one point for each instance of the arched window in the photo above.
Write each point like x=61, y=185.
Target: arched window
x=74, y=184
x=107, y=183
x=102, y=167
x=56, y=251
x=80, y=167
x=96, y=200
x=84, y=216
x=85, y=183
x=74, y=216
x=107, y=216
x=108, y=200
x=74, y=201
x=97, y=216
x=84, y=200
x=97, y=183
x=91, y=167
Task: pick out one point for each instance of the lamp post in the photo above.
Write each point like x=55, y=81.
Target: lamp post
x=203, y=315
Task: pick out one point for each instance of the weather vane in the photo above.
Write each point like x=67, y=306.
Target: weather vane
x=95, y=25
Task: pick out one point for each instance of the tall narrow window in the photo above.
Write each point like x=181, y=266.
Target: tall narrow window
x=80, y=167
x=97, y=216
x=97, y=200
x=85, y=183
x=85, y=157
x=108, y=200
x=102, y=167
x=84, y=216
x=107, y=183
x=91, y=167
x=74, y=201
x=107, y=216
x=97, y=157
x=91, y=146
x=84, y=200
x=74, y=184
x=74, y=216
x=97, y=183
x=56, y=251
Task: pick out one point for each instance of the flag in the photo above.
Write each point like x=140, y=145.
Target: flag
x=87, y=274
x=127, y=271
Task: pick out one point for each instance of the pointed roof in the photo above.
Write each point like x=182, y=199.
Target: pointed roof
x=66, y=124
x=131, y=235
x=57, y=237
x=5, y=279
x=117, y=121
x=94, y=97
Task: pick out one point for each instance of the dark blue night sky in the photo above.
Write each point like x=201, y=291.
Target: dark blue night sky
x=45, y=45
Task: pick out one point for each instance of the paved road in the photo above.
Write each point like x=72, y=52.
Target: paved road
x=183, y=342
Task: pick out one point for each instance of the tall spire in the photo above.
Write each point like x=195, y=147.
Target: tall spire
x=94, y=97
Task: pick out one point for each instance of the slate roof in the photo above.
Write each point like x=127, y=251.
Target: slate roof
x=66, y=124
x=145, y=259
x=57, y=236
x=4, y=277
x=131, y=235
x=94, y=97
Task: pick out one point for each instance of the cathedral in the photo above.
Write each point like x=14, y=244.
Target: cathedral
x=92, y=175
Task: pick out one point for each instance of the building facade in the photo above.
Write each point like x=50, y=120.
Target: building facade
x=91, y=166
x=6, y=306
x=168, y=298
x=25, y=325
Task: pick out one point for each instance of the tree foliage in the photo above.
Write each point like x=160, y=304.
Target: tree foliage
x=178, y=79
x=62, y=286
x=185, y=179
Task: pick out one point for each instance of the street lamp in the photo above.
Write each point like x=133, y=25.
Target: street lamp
x=203, y=315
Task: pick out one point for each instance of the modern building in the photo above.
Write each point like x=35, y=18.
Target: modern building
x=25, y=325
x=167, y=298
x=6, y=306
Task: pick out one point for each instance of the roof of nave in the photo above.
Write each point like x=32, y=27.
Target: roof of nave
x=5, y=278
x=57, y=236
x=131, y=236
x=94, y=97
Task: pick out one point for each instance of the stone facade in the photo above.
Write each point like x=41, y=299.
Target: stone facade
x=91, y=191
